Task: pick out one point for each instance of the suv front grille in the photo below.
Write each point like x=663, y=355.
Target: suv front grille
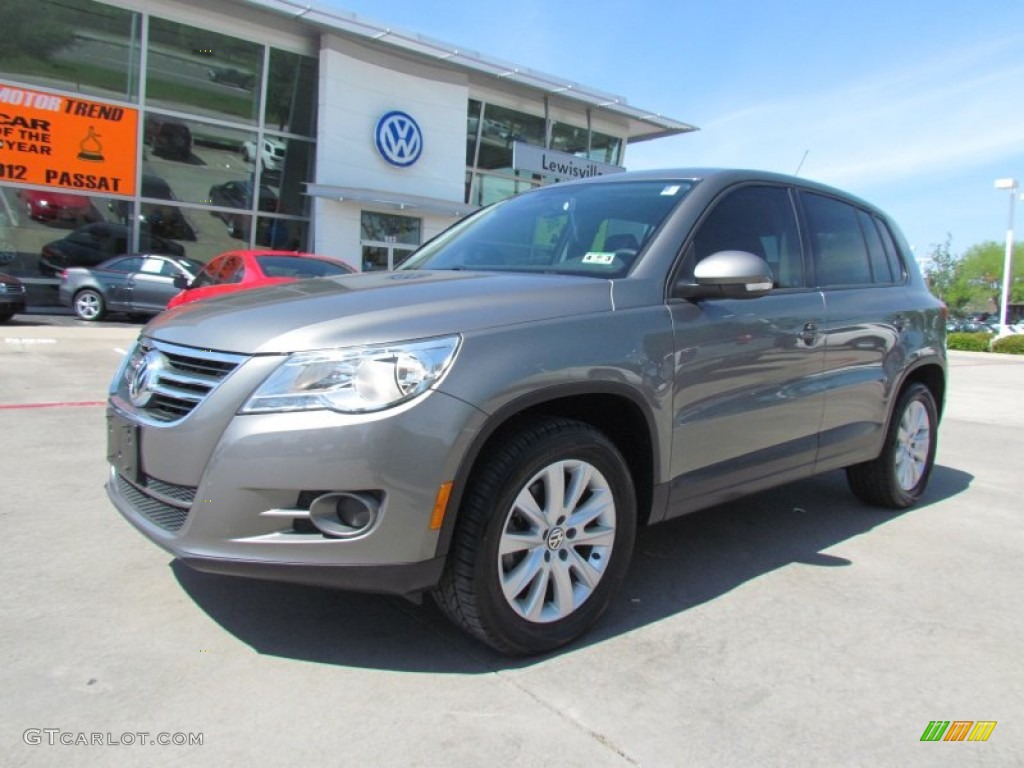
x=179, y=380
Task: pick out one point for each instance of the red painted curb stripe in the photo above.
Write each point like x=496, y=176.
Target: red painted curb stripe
x=83, y=403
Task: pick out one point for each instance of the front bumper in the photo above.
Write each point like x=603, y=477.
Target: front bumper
x=239, y=504
x=12, y=303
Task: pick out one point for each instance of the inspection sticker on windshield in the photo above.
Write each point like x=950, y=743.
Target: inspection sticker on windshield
x=595, y=257
x=671, y=189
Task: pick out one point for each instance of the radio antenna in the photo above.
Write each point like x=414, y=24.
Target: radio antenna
x=801, y=165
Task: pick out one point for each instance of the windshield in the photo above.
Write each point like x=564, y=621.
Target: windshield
x=587, y=229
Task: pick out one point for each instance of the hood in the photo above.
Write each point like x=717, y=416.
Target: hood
x=375, y=307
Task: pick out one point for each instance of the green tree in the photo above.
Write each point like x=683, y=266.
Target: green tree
x=941, y=272
x=977, y=285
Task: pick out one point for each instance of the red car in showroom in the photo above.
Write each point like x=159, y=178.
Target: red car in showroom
x=51, y=206
x=242, y=270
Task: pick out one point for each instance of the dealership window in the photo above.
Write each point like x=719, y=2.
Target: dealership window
x=387, y=239
x=501, y=128
x=605, y=148
x=193, y=69
x=81, y=46
x=472, y=132
x=291, y=93
x=226, y=128
x=491, y=131
x=569, y=138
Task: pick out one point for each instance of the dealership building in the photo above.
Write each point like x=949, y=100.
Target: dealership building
x=199, y=127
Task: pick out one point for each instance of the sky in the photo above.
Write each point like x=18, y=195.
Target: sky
x=917, y=107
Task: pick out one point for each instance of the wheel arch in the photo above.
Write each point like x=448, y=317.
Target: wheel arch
x=930, y=373
x=617, y=411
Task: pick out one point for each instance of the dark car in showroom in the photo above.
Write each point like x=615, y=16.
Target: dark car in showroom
x=12, y=296
x=139, y=284
x=168, y=137
x=493, y=422
x=231, y=76
x=163, y=220
x=238, y=194
x=89, y=245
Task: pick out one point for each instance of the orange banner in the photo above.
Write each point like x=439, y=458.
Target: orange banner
x=67, y=142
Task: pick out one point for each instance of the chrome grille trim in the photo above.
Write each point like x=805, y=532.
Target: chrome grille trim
x=182, y=494
x=188, y=378
x=166, y=516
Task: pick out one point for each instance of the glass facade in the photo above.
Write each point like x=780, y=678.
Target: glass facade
x=220, y=117
x=493, y=129
x=225, y=141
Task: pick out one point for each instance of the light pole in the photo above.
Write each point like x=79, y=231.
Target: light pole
x=1011, y=185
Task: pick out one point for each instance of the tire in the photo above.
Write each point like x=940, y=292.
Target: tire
x=899, y=476
x=525, y=575
x=5, y=316
x=89, y=305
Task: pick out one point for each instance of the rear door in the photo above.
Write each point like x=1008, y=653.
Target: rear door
x=114, y=281
x=748, y=399
x=867, y=309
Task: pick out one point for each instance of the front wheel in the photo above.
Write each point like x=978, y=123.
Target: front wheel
x=89, y=305
x=544, y=538
x=899, y=476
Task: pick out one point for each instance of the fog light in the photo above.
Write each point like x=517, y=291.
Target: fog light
x=341, y=515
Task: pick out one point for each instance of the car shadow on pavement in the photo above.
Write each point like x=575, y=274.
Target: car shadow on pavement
x=676, y=565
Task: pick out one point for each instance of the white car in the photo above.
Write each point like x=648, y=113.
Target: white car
x=272, y=156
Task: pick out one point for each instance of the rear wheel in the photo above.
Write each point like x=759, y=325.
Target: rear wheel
x=89, y=305
x=544, y=538
x=899, y=476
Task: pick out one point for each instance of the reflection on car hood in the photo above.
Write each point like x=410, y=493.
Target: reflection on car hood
x=375, y=307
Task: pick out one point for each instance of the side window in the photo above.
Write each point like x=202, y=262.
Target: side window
x=892, y=253
x=840, y=251
x=153, y=266
x=208, y=275
x=133, y=264
x=759, y=220
x=233, y=271
x=881, y=271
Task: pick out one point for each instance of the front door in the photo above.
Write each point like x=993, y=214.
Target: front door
x=387, y=239
x=748, y=402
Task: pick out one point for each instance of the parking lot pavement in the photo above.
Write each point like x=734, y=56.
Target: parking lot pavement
x=794, y=628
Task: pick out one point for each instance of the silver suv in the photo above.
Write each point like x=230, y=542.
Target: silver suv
x=492, y=422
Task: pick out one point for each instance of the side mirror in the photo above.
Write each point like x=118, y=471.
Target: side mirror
x=181, y=282
x=727, y=275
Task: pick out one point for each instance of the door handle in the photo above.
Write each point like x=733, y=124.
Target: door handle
x=809, y=334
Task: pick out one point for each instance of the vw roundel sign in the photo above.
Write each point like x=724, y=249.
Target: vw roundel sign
x=399, y=139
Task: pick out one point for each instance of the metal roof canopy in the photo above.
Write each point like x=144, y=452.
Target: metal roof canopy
x=643, y=125
x=397, y=200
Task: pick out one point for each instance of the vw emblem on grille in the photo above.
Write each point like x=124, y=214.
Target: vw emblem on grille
x=144, y=380
x=399, y=139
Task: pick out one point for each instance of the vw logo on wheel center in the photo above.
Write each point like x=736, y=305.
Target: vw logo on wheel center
x=399, y=139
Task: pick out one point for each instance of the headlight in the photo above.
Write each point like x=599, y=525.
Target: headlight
x=355, y=379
